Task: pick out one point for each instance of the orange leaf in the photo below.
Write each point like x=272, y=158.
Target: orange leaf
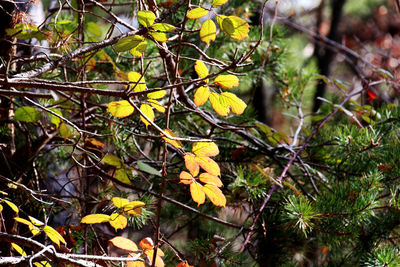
x=150, y=256
x=124, y=243
x=184, y=264
x=197, y=193
x=186, y=178
x=207, y=149
x=215, y=195
x=208, y=165
x=201, y=95
x=135, y=263
x=174, y=143
x=191, y=164
x=118, y=221
x=210, y=179
x=146, y=243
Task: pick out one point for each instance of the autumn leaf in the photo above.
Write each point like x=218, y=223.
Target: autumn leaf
x=124, y=243
x=235, y=27
x=227, y=81
x=34, y=230
x=146, y=18
x=163, y=27
x=134, y=207
x=11, y=205
x=201, y=95
x=220, y=107
x=118, y=221
x=120, y=202
x=210, y=179
x=208, y=149
x=159, y=36
x=112, y=160
x=120, y=109
x=196, y=13
x=156, y=105
x=174, y=143
x=18, y=249
x=201, y=70
x=186, y=178
x=191, y=164
x=146, y=243
x=197, y=193
x=148, y=112
x=150, y=255
x=95, y=218
x=157, y=94
x=139, y=84
x=236, y=104
x=208, y=31
x=215, y=195
x=53, y=235
x=208, y=165
x=217, y=3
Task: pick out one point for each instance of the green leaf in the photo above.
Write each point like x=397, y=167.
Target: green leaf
x=65, y=130
x=54, y=119
x=146, y=18
x=123, y=175
x=163, y=27
x=27, y=114
x=147, y=168
x=196, y=13
x=139, y=49
x=93, y=28
x=128, y=43
x=112, y=160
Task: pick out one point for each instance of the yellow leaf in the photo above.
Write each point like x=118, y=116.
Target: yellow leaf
x=217, y=3
x=201, y=95
x=161, y=37
x=140, y=83
x=138, y=50
x=1, y=208
x=163, y=27
x=186, y=178
x=208, y=31
x=42, y=264
x=174, y=143
x=156, y=105
x=197, y=193
x=235, y=27
x=157, y=94
x=208, y=149
x=196, y=13
x=95, y=218
x=237, y=105
x=148, y=112
x=12, y=205
x=150, y=255
x=95, y=142
x=146, y=243
x=210, y=179
x=191, y=164
x=18, y=249
x=35, y=221
x=53, y=235
x=134, y=207
x=201, y=70
x=124, y=243
x=208, y=165
x=120, y=109
x=146, y=18
x=215, y=195
x=34, y=230
x=120, y=202
x=227, y=81
x=221, y=108
x=118, y=221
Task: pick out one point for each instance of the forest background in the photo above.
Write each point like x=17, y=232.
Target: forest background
x=199, y=133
